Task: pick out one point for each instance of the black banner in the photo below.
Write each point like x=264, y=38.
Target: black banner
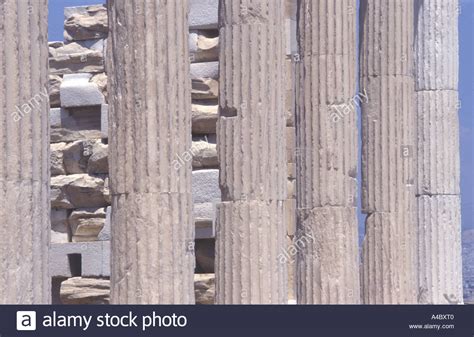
x=292, y=320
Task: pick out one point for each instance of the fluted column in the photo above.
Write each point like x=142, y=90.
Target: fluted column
x=327, y=240
x=150, y=134
x=250, y=238
x=438, y=191
x=388, y=152
x=24, y=155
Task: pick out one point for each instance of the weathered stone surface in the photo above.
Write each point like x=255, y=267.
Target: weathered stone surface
x=90, y=25
x=204, y=45
x=205, y=212
x=101, y=81
x=205, y=186
x=69, y=125
x=73, y=58
x=244, y=171
x=104, y=234
x=388, y=273
x=79, y=290
x=257, y=276
x=95, y=44
x=98, y=161
x=151, y=194
x=438, y=142
x=57, y=159
x=326, y=237
x=131, y=211
x=290, y=68
x=77, y=91
x=77, y=191
x=59, y=226
x=24, y=143
x=104, y=121
x=203, y=14
x=388, y=151
x=439, y=252
x=388, y=259
x=389, y=31
x=290, y=145
x=205, y=70
x=204, y=155
x=205, y=228
x=437, y=45
x=86, y=224
x=94, y=262
x=438, y=171
x=327, y=245
x=204, y=118
x=252, y=156
x=76, y=156
x=468, y=265
x=204, y=288
x=54, y=84
x=204, y=89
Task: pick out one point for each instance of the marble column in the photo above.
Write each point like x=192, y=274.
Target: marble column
x=388, y=272
x=438, y=175
x=149, y=153
x=24, y=158
x=327, y=147
x=251, y=229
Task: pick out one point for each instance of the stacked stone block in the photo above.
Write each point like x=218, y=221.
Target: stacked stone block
x=24, y=171
x=326, y=130
x=79, y=163
x=388, y=272
x=438, y=175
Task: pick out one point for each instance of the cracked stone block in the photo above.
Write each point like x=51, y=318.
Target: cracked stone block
x=74, y=58
x=85, y=22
